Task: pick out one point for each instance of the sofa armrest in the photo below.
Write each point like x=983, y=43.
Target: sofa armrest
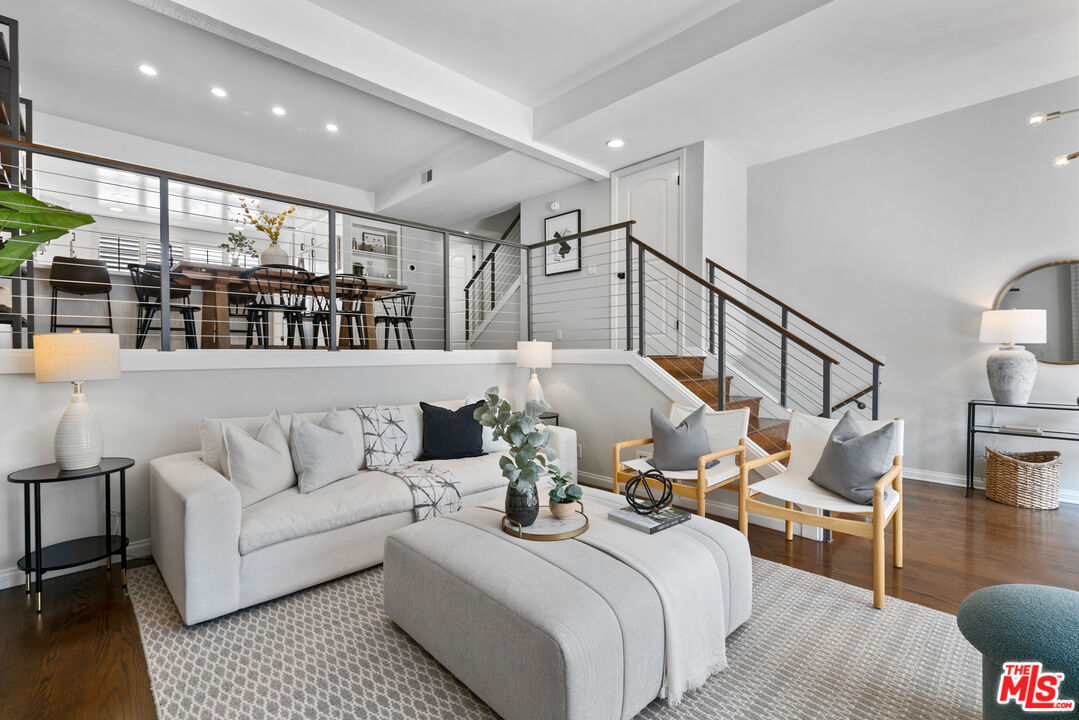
x=564, y=443
x=195, y=535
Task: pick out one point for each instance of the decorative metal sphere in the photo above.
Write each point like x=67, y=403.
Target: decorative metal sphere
x=653, y=503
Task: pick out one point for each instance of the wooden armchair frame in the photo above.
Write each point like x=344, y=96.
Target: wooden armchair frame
x=861, y=528
x=694, y=489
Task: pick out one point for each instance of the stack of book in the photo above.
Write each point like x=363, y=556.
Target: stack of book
x=660, y=520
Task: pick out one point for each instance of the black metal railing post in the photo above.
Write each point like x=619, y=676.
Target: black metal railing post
x=721, y=349
x=711, y=311
x=629, y=292
x=528, y=282
x=445, y=291
x=826, y=381
x=331, y=335
x=640, y=299
x=783, y=360
x=166, y=264
x=876, y=391
x=468, y=322
x=493, y=278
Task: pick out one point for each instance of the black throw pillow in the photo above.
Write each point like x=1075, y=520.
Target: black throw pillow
x=450, y=434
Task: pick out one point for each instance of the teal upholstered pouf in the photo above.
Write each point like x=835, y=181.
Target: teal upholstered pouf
x=1024, y=623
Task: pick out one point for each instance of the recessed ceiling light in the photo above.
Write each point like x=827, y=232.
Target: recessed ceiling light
x=147, y=69
x=219, y=92
x=116, y=209
x=467, y=232
x=331, y=127
x=615, y=143
x=278, y=110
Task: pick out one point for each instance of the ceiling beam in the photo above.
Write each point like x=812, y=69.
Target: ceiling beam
x=727, y=29
x=308, y=36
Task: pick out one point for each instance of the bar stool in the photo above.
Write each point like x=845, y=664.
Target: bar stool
x=81, y=277
x=146, y=280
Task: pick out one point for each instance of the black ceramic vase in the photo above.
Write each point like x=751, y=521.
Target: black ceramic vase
x=522, y=506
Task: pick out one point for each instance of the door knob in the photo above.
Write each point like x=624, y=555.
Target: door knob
x=621, y=276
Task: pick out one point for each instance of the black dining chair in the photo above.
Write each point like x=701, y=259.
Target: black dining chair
x=81, y=277
x=146, y=279
x=351, y=308
x=396, y=311
x=276, y=288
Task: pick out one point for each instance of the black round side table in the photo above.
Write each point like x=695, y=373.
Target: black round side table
x=72, y=552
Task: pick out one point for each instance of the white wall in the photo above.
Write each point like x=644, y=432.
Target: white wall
x=578, y=303
x=898, y=240
x=147, y=414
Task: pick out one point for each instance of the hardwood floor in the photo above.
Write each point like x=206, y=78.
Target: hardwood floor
x=82, y=658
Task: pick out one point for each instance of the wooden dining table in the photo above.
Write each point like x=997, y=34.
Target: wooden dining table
x=216, y=281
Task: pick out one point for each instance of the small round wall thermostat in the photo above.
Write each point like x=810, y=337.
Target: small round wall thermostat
x=555, y=206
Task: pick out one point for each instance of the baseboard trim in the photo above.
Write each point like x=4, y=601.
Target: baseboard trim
x=13, y=576
x=942, y=478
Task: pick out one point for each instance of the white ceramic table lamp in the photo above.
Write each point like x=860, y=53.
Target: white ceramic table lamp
x=1012, y=367
x=77, y=357
x=534, y=354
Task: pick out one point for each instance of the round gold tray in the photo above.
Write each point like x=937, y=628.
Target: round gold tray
x=547, y=527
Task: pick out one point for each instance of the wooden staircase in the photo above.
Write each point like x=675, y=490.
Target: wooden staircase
x=769, y=433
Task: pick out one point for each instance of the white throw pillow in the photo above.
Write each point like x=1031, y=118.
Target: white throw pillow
x=258, y=466
x=321, y=454
x=384, y=436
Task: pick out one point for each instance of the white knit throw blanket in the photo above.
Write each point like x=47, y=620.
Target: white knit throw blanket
x=683, y=571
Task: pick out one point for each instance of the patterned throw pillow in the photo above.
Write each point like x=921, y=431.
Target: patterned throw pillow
x=384, y=436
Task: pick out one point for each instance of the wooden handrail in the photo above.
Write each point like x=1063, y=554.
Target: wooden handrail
x=852, y=398
x=229, y=187
x=596, y=231
x=736, y=302
x=794, y=312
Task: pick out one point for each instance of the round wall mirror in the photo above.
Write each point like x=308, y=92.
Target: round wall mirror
x=1053, y=287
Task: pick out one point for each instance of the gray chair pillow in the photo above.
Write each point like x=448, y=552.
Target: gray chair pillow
x=853, y=461
x=321, y=453
x=677, y=448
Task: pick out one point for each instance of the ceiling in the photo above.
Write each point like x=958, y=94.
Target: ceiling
x=847, y=69
x=528, y=51
x=92, y=76
x=506, y=99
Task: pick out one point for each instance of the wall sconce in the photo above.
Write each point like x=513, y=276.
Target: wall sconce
x=1040, y=119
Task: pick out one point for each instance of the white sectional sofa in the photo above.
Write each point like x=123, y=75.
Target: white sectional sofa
x=217, y=557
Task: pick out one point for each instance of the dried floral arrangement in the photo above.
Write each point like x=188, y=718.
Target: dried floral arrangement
x=267, y=222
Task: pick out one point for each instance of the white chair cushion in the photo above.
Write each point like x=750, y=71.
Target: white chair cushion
x=807, y=435
x=724, y=429
x=725, y=469
x=800, y=490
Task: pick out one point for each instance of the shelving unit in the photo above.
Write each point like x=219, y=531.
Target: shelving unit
x=377, y=248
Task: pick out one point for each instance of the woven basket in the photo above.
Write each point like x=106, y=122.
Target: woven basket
x=1023, y=479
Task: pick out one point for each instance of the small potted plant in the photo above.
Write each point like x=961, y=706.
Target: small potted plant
x=237, y=246
x=529, y=456
x=562, y=500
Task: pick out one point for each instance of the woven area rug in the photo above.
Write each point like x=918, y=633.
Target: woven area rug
x=814, y=648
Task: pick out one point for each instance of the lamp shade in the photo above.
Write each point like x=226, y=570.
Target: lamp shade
x=534, y=354
x=1022, y=327
x=76, y=357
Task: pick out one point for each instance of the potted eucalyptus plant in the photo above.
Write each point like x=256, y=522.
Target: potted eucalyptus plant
x=237, y=246
x=529, y=456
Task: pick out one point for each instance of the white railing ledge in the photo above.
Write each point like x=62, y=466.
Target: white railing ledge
x=14, y=362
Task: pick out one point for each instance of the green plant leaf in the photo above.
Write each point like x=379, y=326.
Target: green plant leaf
x=574, y=492
x=39, y=223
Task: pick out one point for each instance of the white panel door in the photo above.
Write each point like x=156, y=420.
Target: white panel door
x=652, y=197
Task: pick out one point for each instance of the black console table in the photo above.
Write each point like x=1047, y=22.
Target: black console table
x=72, y=552
x=973, y=428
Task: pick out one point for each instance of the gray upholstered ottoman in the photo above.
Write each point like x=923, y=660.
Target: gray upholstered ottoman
x=544, y=630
